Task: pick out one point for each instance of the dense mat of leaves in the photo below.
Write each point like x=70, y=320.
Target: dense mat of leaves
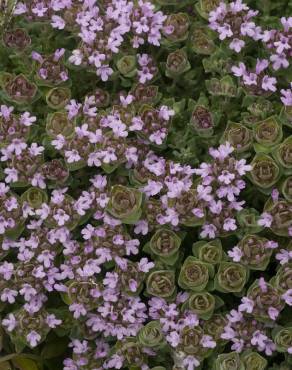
x=145, y=185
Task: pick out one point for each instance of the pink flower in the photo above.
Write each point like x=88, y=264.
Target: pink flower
x=236, y=45
x=273, y=313
x=208, y=342
x=61, y=217
x=145, y=266
x=287, y=297
x=229, y=224
x=104, y=72
x=58, y=22
x=10, y=322
x=33, y=338
x=265, y=220
x=173, y=339
x=247, y=305
x=190, y=363
x=12, y=175
x=208, y=231
x=72, y=156
x=236, y=254
x=268, y=83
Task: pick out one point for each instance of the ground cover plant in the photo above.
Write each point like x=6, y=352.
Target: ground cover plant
x=145, y=185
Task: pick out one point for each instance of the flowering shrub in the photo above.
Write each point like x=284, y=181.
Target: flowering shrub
x=145, y=185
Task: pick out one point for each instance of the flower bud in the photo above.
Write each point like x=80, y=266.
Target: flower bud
x=283, y=278
x=210, y=252
x=267, y=133
x=283, y=339
x=202, y=121
x=239, y=136
x=127, y=66
x=254, y=361
x=281, y=212
x=35, y=197
x=202, y=304
x=264, y=300
x=177, y=63
x=179, y=25
x=283, y=154
x=231, y=277
x=165, y=244
x=20, y=90
x=80, y=292
x=55, y=171
x=191, y=342
x=58, y=97
x=16, y=39
x=125, y=204
x=265, y=171
x=228, y=361
x=195, y=274
x=151, y=336
x=204, y=7
x=286, y=115
x=215, y=326
x=161, y=283
x=51, y=72
x=146, y=94
x=102, y=98
x=287, y=188
x=184, y=205
x=248, y=220
x=201, y=40
x=223, y=87
x=132, y=354
x=59, y=124
x=255, y=254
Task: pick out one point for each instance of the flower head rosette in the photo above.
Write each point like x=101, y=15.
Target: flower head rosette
x=210, y=252
x=16, y=39
x=195, y=274
x=253, y=251
x=230, y=277
x=265, y=171
x=161, y=283
x=203, y=304
x=164, y=245
x=14, y=127
x=267, y=134
x=214, y=327
x=239, y=136
x=283, y=339
x=176, y=28
x=58, y=97
x=277, y=216
x=29, y=330
x=202, y=40
x=283, y=155
x=19, y=90
x=177, y=64
x=254, y=361
x=228, y=361
x=203, y=120
x=264, y=300
x=125, y=204
x=151, y=335
x=50, y=69
x=283, y=278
